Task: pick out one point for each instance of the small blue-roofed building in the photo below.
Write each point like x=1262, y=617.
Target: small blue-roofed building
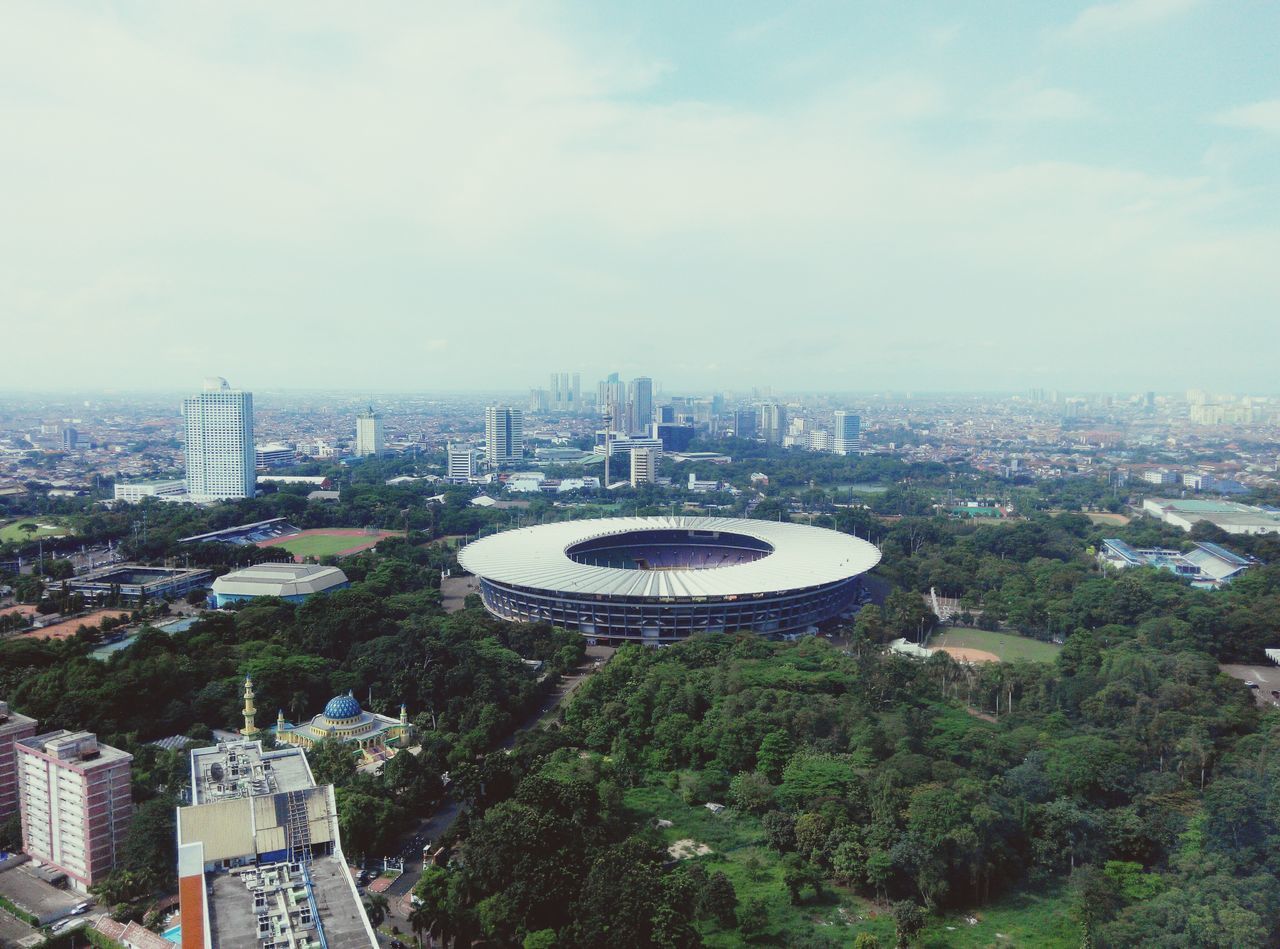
x=1207, y=566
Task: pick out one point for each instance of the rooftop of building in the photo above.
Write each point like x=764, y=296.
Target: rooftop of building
x=242, y=769
x=79, y=748
x=276, y=904
x=279, y=579
x=132, y=573
x=13, y=721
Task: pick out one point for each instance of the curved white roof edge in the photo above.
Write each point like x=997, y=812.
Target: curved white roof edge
x=802, y=557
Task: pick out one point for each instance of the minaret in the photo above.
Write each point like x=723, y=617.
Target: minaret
x=404, y=714
x=249, y=729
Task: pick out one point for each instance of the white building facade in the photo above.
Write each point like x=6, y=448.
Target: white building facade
x=644, y=465
x=847, y=436
x=369, y=436
x=503, y=435
x=219, y=447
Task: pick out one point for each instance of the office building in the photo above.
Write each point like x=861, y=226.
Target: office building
x=70, y=439
x=219, y=442
x=13, y=728
x=644, y=465
x=76, y=803
x=1161, y=476
x=135, y=492
x=847, y=436
x=565, y=394
x=260, y=860
x=274, y=455
x=462, y=463
x=821, y=440
x=674, y=437
x=611, y=400
x=640, y=405
x=772, y=422
x=744, y=422
x=503, y=435
x=369, y=438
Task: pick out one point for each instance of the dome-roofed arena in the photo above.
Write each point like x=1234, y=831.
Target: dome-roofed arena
x=660, y=579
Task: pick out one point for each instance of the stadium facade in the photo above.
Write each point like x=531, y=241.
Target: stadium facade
x=661, y=579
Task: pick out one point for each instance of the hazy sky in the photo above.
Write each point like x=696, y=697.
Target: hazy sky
x=809, y=195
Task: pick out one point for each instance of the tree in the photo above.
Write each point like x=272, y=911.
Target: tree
x=375, y=907
x=751, y=792
x=753, y=918
x=332, y=762
x=908, y=920
x=866, y=941
x=541, y=939
x=719, y=900
x=780, y=831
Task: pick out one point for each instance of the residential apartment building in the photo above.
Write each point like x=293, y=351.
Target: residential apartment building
x=504, y=435
x=75, y=797
x=369, y=436
x=13, y=728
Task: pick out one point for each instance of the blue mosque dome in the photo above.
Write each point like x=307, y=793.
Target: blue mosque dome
x=342, y=706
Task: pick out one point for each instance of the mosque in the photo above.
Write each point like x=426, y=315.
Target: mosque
x=377, y=736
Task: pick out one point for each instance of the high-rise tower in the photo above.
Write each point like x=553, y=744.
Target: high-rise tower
x=219, y=442
x=369, y=438
x=504, y=435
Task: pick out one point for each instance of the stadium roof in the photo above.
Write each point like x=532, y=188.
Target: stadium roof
x=536, y=557
x=279, y=579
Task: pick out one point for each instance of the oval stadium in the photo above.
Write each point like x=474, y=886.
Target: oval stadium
x=661, y=579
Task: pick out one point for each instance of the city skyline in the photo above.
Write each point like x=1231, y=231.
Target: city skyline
x=831, y=199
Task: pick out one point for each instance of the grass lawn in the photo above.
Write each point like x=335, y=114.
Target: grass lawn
x=1008, y=646
x=318, y=545
x=738, y=849
x=45, y=527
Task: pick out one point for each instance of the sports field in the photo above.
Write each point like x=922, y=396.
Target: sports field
x=1004, y=646
x=329, y=541
x=44, y=528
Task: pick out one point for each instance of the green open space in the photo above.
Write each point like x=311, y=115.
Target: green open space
x=45, y=527
x=1007, y=645
x=322, y=545
x=739, y=850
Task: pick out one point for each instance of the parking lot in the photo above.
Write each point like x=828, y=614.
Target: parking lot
x=1265, y=675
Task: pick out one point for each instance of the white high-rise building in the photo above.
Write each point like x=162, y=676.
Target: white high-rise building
x=773, y=422
x=462, y=463
x=369, y=439
x=76, y=801
x=848, y=434
x=219, y=448
x=503, y=435
x=640, y=406
x=644, y=465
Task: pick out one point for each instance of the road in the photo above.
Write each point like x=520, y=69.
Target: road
x=432, y=828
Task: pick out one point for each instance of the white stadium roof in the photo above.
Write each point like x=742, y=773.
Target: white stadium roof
x=279, y=579
x=802, y=557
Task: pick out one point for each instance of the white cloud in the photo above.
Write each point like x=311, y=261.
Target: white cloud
x=342, y=198
x=1120, y=16
x=1256, y=117
x=1028, y=101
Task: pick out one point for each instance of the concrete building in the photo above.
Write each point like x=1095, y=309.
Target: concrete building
x=293, y=582
x=674, y=436
x=640, y=406
x=744, y=423
x=1161, y=476
x=504, y=435
x=13, y=728
x=76, y=803
x=134, y=583
x=644, y=465
x=219, y=442
x=273, y=455
x=1207, y=566
x=369, y=436
x=565, y=394
x=1231, y=516
x=847, y=436
x=135, y=492
x=773, y=422
x=260, y=860
x=821, y=440
x=462, y=463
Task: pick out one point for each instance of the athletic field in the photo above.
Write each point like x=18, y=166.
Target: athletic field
x=1001, y=645
x=328, y=542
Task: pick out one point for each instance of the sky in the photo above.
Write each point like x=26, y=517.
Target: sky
x=849, y=196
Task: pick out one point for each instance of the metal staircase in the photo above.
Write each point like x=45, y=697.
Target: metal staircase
x=298, y=827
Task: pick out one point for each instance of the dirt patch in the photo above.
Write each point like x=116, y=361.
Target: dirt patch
x=687, y=848
x=67, y=628
x=965, y=654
